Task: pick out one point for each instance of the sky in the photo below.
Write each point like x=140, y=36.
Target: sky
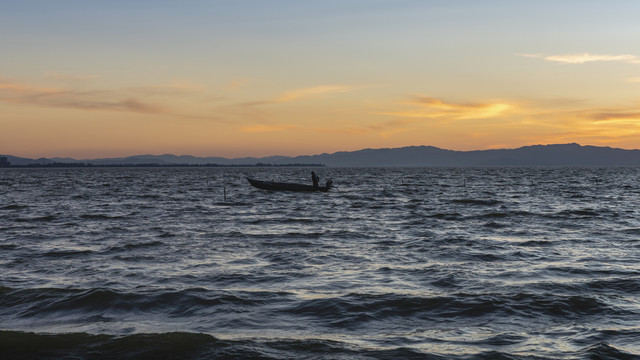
x=92, y=79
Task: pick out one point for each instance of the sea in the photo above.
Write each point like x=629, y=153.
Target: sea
x=392, y=263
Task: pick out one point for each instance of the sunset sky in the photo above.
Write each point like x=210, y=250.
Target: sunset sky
x=90, y=79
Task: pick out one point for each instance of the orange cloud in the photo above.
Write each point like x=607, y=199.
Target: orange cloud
x=586, y=125
x=622, y=117
x=435, y=108
x=312, y=92
x=300, y=94
x=132, y=105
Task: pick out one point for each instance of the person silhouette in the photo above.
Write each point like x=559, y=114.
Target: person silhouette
x=315, y=179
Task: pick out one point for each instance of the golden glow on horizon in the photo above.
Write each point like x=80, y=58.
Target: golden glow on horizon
x=167, y=118
x=230, y=80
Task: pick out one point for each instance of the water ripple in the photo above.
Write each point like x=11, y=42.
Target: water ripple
x=488, y=263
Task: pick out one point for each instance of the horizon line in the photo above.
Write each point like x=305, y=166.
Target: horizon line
x=317, y=154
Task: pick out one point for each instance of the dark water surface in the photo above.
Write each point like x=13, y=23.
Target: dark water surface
x=507, y=263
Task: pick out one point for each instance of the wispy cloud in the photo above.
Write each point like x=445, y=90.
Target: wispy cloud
x=129, y=104
x=586, y=58
x=154, y=100
x=312, y=92
x=615, y=116
x=388, y=128
x=384, y=128
x=301, y=94
x=428, y=107
x=84, y=100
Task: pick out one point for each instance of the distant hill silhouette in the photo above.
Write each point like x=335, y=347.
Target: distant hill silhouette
x=537, y=155
x=15, y=160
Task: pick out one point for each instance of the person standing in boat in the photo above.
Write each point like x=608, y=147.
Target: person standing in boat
x=315, y=179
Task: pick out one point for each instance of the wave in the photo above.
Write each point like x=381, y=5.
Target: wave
x=630, y=286
x=13, y=207
x=101, y=217
x=354, y=309
x=496, y=263
x=575, y=270
x=484, y=202
x=139, y=245
x=45, y=218
x=65, y=254
x=605, y=351
x=19, y=345
x=630, y=231
x=23, y=345
x=446, y=216
x=182, y=345
x=344, y=311
x=28, y=303
x=584, y=213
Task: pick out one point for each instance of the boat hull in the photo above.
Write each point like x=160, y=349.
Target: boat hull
x=280, y=186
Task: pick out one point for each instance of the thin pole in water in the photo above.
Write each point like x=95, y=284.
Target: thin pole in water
x=224, y=186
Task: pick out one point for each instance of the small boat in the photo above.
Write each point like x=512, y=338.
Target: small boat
x=281, y=186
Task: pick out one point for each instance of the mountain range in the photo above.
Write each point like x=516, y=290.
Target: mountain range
x=411, y=156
